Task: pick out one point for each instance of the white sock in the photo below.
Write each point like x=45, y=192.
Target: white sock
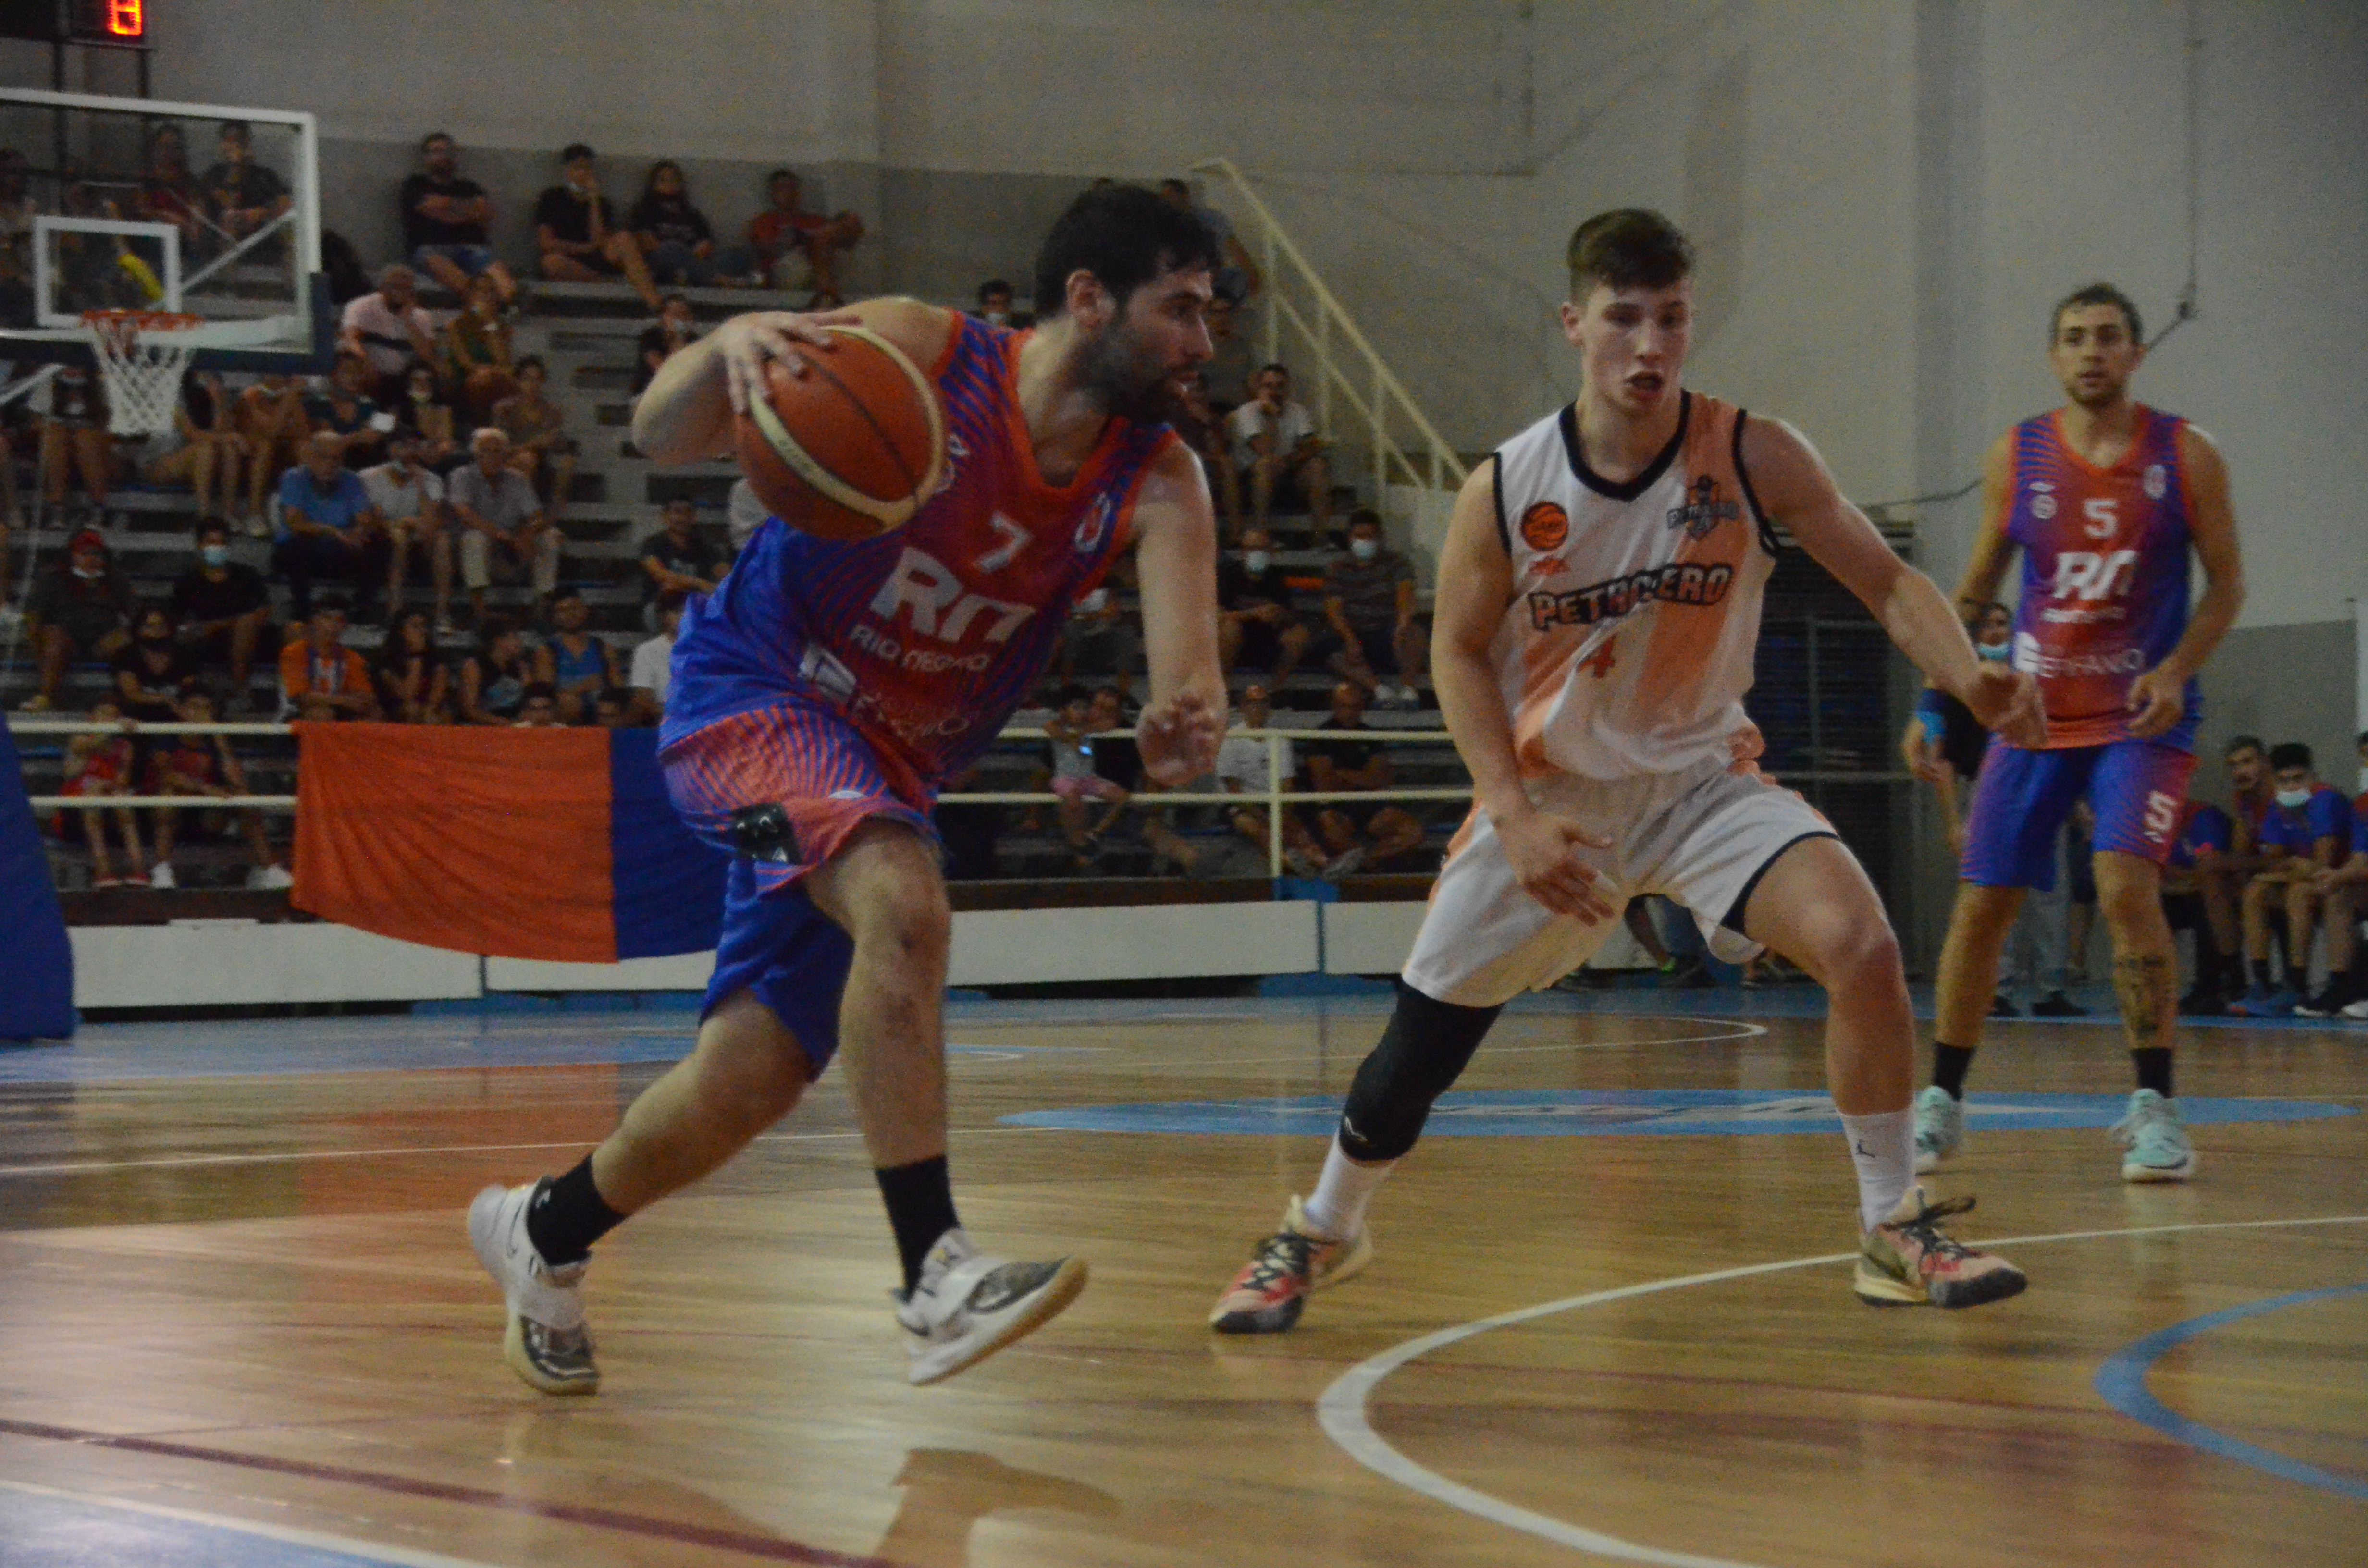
x=1335, y=1210
x=1882, y=1147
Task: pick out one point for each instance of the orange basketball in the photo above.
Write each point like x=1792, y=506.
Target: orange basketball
x=852, y=447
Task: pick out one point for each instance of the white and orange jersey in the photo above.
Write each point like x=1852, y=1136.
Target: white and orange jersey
x=1628, y=645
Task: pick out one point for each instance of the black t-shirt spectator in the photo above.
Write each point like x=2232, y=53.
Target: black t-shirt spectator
x=671, y=218
x=170, y=667
x=199, y=598
x=1347, y=756
x=654, y=340
x=419, y=228
x=1119, y=760
x=569, y=216
x=241, y=187
x=696, y=559
x=1237, y=589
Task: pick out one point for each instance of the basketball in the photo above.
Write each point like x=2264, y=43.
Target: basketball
x=852, y=449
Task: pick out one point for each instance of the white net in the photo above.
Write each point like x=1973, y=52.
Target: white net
x=142, y=358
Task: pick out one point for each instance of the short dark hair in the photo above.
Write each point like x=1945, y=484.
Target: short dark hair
x=1177, y=185
x=2361, y=739
x=534, y=359
x=665, y=300
x=1276, y=365
x=2289, y=753
x=237, y=128
x=1364, y=515
x=2097, y=294
x=781, y=173
x=1126, y=236
x=211, y=525
x=435, y=136
x=649, y=180
x=1628, y=247
x=573, y=151
x=2239, y=743
x=993, y=285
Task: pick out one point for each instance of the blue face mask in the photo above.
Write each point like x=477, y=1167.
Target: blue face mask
x=2294, y=800
x=1996, y=654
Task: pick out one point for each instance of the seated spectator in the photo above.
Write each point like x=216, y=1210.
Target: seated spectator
x=96, y=767
x=78, y=609
x=539, y=711
x=1237, y=276
x=411, y=679
x=1368, y=606
x=1070, y=734
x=1356, y=837
x=1277, y=454
x=410, y=501
x=1257, y=622
x=321, y=679
x=18, y=208
x=995, y=309
x=503, y=528
x=495, y=675
x=613, y=708
x=327, y=527
x=153, y=672
x=203, y=766
x=474, y=352
x=1204, y=432
x=796, y=249
x=222, y=608
x=2205, y=832
x=390, y=331
x=1248, y=764
x=673, y=331
x=2344, y=995
x=269, y=419
x=653, y=666
x=72, y=414
x=1232, y=359
x=2221, y=879
x=1094, y=640
x=341, y=408
x=243, y=195
x=425, y=414
x=676, y=560
x=444, y=217
x=540, y=447
x=169, y=193
x=206, y=458
x=576, y=231
x=2306, y=831
x=676, y=239
x=582, y=663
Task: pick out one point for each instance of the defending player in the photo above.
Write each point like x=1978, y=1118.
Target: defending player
x=2105, y=498
x=819, y=697
x=1599, y=604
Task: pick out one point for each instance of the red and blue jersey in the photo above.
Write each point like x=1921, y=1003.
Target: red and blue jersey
x=2104, y=574
x=2203, y=829
x=926, y=638
x=2297, y=829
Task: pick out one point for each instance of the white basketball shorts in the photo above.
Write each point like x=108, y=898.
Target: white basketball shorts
x=1701, y=837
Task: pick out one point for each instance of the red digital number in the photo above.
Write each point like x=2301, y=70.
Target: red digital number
x=124, y=19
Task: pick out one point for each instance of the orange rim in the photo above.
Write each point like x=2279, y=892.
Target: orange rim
x=122, y=325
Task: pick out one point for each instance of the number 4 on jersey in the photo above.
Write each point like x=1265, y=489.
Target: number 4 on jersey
x=1599, y=664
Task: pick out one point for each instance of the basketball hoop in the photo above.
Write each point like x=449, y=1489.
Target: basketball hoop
x=142, y=358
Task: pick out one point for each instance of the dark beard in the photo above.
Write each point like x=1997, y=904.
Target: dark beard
x=1121, y=374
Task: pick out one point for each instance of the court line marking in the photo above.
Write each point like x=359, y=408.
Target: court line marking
x=2122, y=1383
x=1340, y=1410
x=344, y=1546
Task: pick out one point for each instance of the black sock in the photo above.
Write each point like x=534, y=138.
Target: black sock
x=2232, y=973
x=2153, y=1063
x=920, y=1199
x=568, y=1215
x=1949, y=1064
x=2339, y=985
x=2259, y=971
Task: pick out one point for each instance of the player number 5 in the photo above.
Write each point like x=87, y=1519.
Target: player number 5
x=2161, y=814
x=2102, y=520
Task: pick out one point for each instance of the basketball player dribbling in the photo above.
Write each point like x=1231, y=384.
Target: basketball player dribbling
x=821, y=694
x=2105, y=498
x=1598, y=603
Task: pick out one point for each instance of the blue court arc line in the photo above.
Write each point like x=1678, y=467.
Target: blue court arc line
x=2122, y=1383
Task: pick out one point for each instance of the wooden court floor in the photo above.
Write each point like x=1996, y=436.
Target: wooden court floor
x=240, y=1323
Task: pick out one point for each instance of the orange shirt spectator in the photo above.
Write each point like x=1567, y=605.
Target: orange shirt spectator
x=320, y=677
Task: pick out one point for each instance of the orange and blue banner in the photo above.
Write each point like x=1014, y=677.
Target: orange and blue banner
x=36, y=964
x=515, y=843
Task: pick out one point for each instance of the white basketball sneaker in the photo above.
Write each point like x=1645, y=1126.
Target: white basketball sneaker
x=967, y=1305
x=546, y=1342
x=1940, y=1127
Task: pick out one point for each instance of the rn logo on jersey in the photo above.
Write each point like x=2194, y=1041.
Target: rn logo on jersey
x=2043, y=499
x=1679, y=582
x=939, y=606
x=1096, y=523
x=1545, y=526
x=2154, y=482
x=1703, y=510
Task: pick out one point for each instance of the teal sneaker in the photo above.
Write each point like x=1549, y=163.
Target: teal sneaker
x=2157, y=1145
x=1940, y=1127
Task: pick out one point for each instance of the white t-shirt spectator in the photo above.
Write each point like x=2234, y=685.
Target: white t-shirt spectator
x=742, y=514
x=399, y=500
x=504, y=501
x=1242, y=760
x=1250, y=420
x=653, y=664
x=386, y=343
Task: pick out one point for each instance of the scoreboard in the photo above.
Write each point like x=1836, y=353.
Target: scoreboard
x=76, y=21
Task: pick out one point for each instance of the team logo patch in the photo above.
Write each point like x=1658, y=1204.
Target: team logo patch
x=1545, y=526
x=1704, y=509
x=2042, y=500
x=2155, y=481
x=1089, y=533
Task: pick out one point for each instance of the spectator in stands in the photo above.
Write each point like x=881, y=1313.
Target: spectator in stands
x=410, y=501
x=1116, y=756
x=673, y=331
x=1239, y=278
x=503, y=528
x=153, y=672
x=169, y=193
x=1095, y=640
x=576, y=231
x=613, y=708
x=495, y=676
x=74, y=436
x=2306, y=830
x=675, y=559
x=425, y=414
x=474, y=352
x=98, y=765
x=2338, y=888
x=540, y=447
x=344, y=408
x=322, y=679
x=327, y=527
x=1243, y=763
x=411, y=679
x=995, y=307
x=204, y=766
x=652, y=664
x=539, y=711
x=676, y=239
x=2221, y=881
x=242, y=194
x=269, y=419
x=2205, y=832
x=796, y=249
x=1356, y=837
x=1232, y=359
x=1204, y=431
x=76, y=610
x=208, y=457
x=390, y=331
x=18, y=208
x=1277, y=454
x=444, y=222
x=1259, y=624
x=1368, y=606
x=1077, y=782
x=222, y=608
x=582, y=663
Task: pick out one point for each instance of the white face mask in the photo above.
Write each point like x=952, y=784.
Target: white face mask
x=1256, y=561
x=998, y=318
x=2294, y=800
x=1364, y=548
x=1993, y=650
x=214, y=555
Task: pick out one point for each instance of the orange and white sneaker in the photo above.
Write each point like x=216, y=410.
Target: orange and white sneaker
x=1905, y=1260
x=1271, y=1290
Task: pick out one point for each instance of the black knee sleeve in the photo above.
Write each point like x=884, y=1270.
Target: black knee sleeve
x=1422, y=1053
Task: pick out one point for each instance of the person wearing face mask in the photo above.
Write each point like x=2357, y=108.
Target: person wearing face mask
x=997, y=306
x=222, y=608
x=1258, y=625
x=2306, y=830
x=576, y=233
x=1278, y=455
x=78, y=610
x=1369, y=605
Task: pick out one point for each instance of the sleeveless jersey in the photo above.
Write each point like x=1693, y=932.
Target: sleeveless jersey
x=927, y=637
x=1628, y=645
x=2104, y=575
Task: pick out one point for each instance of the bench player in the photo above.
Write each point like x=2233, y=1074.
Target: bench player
x=1598, y=603
x=2105, y=498
x=821, y=695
